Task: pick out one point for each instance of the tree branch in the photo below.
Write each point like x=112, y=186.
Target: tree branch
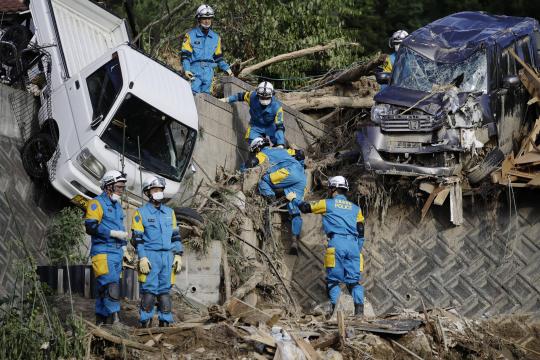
x=293, y=55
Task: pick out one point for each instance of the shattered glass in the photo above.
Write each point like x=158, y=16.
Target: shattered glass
x=415, y=72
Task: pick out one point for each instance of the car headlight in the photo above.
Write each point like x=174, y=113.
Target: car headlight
x=377, y=111
x=91, y=164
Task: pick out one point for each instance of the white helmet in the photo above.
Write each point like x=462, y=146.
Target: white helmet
x=397, y=38
x=153, y=182
x=204, y=11
x=265, y=90
x=258, y=143
x=338, y=182
x=112, y=177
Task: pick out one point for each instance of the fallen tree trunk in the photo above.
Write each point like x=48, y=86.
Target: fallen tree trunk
x=292, y=55
x=325, y=102
x=355, y=73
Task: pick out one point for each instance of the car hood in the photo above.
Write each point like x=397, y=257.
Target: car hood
x=431, y=103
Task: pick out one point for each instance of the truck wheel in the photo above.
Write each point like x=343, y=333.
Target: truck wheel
x=35, y=153
x=188, y=216
x=486, y=167
x=15, y=39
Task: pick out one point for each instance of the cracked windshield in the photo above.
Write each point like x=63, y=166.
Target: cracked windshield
x=416, y=72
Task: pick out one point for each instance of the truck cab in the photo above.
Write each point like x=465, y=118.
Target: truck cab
x=110, y=105
x=454, y=104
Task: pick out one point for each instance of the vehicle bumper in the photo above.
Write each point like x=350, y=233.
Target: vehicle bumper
x=70, y=182
x=367, y=137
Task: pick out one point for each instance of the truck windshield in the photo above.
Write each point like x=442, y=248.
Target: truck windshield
x=416, y=72
x=165, y=144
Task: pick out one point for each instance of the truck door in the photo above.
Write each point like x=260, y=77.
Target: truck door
x=92, y=95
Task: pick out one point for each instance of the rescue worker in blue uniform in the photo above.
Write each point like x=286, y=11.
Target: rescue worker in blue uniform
x=157, y=239
x=393, y=43
x=285, y=172
x=201, y=52
x=104, y=222
x=266, y=113
x=343, y=223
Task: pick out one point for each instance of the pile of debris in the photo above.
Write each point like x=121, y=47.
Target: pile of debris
x=238, y=330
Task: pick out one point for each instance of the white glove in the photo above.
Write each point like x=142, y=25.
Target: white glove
x=229, y=72
x=177, y=263
x=144, y=265
x=291, y=196
x=189, y=75
x=225, y=99
x=122, y=235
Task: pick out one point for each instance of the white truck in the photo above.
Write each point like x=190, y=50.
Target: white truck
x=112, y=106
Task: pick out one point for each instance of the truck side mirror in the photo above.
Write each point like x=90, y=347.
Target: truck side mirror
x=383, y=78
x=511, y=81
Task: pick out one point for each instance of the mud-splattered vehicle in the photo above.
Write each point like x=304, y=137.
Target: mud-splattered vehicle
x=454, y=104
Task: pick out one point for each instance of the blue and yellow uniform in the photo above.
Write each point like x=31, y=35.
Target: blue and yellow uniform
x=156, y=236
x=341, y=222
x=264, y=120
x=102, y=216
x=201, y=53
x=286, y=172
x=388, y=65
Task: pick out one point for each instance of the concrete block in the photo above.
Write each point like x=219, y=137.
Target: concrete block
x=201, y=276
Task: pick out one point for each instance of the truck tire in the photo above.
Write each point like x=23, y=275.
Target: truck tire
x=190, y=217
x=486, y=167
x=35, y=153
x=18, y=36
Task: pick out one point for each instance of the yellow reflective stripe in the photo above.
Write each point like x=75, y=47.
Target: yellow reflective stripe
x=279, y=175
x=99, y=264
x=387, y=67
x=186, y=44
x=318, y=207
x=247, y=132
x=94, y=211
x=330, y=258
x=360, y=216
x=142, y=278
x=218, y=47
x=361, y=262
x=261, y=156
x=291, y=152
x=136, y=222
x=247, y=97
x=173, y=220
x=173, y=277
x=279, y=116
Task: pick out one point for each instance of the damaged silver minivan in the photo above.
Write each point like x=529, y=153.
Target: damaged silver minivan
x=454, y=104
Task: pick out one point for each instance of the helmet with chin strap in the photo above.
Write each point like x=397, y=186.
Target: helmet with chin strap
x=112, y=177
x=338, y=182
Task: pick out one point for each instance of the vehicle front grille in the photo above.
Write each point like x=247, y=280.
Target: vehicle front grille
x=408, y=123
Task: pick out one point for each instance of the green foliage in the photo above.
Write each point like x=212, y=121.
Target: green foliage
x=31, y=329
x=66, y=236
x=266, y=28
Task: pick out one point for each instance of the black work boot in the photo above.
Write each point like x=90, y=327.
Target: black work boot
x=358, y=310
x=145, y=324
x=294, y=246
x=100, y=319
x=163, y=323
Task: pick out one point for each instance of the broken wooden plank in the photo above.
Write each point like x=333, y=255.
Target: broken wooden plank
x=405, y=349
x=154, y=340
x=239, y=309
x=307, y=348
x=441, y=196
x=99, y=332
x=456, y=204
x=427, y=187
x=341, y=328
x=429, y=201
